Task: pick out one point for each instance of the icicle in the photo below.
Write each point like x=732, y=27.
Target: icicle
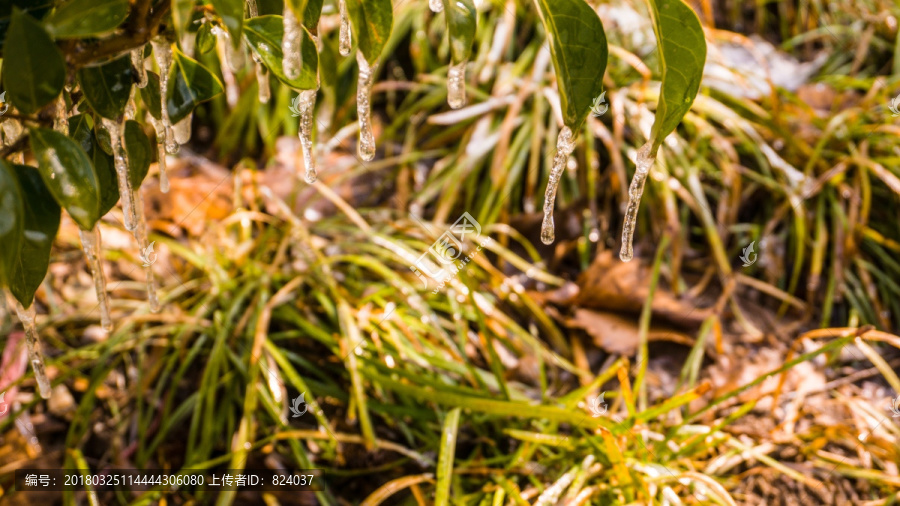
x=121, y=162
x=643, y=162
x=90, y=243
x=456, y=85
x=61, y=121
x=307, y=107
x=436, y=5
x=182, y=129
x=262, y=82
x=140, y=235
x=161, y=154
x=137, y=61
x=366, y=146
x=35, y=355
x=130, y=107
x=232, y=91
x=291, y=43
x=345, y=41
x=252, y=9
x=163, y=51
x=565, y=144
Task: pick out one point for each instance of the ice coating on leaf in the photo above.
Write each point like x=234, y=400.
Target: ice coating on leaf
x=121, y=162
x=436, y=5
x=90, y=243
x=262, y=82
x=252, y=9
x=232, y=91
x=344, y=41
x=182, y=129
x=137, y=61
x=163, y=51
x=643, y=162
x=307, y=107
x=61, y=118
x=161, y=155
x=290, y=44
x=565, y=144
x=130, y=107
x=456, y=85
x=140, y=235
x=366, y=148
x=35, y=354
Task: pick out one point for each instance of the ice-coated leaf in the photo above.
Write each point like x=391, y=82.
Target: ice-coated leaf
x=206, y=40
x=308, y=13
x=189, y=85
x=232, y=14
x=265, y=33
x=68, y=173
x=40, y=226
x=461, y=19
x=150, y=95
x=85, y=18
x=579, y=50
x=12, y=221
x=682, y=50
x=371, y=21
x=107, y=87
x=34, y=71
x=139, y=151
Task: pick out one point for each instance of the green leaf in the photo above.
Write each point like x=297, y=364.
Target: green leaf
x=150, y=95
x=182, y=11
x=579, y=51
x=264, y=34
x=12, y=222
x=81, y=131
x=308, y=12
x=107, y=87
x=191, y=85
x=34, y=72
x=232, y=14
x=85, y=18
x=41, y=223
x=206, y=41
x=69, y=175
x=139, y=151
x=461, y=19
x=371, y=22
x=682, y=50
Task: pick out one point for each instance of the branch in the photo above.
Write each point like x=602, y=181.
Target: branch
x=141, y=29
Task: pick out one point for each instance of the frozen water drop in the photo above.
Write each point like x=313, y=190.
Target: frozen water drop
x=121, y=162
x=456, y=85
x=366, y=148
x=182, y=129
x=643, y=162
x=90, y=243
x=436, y=5
x=345, y=41
x=565, y=144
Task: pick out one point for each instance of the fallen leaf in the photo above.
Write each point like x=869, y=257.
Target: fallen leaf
x=620, y=335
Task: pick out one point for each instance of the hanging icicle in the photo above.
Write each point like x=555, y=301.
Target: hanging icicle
x=291, y=44
x=121, y=162
x=366, y=148
x=137, y=61
x=147, y=255
x=643, y=162
x=456, y=85
x=262, y=82
x=90, y=243
x=130, y=107
x=161, y=154
x=163, y=52
x=565, y=144
x=436, y=6
x=307, y=108
x=223, y=41
x=182, y=129
x=33, y=341
x=344, y=41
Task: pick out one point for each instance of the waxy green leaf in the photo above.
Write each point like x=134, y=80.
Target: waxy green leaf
x=190, y=85
x=150, y=95
x=107, y=87
x=34, y=71
x=139, y=151
x=682, y=50
x=232, y=14
x=69, y=174
x=40, y=225
x=264, y=34
x=461, y=19
x=84, y=18
x=308, y=12
x=12, y=222
x=579, y=50
x=206, y=40
x=80, y=131
x=370, y=22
